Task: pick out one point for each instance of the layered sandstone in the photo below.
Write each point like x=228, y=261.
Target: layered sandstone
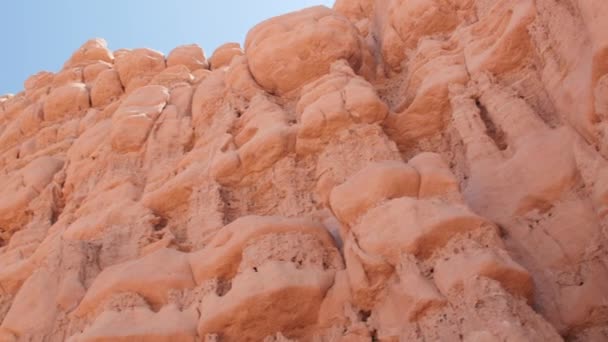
x=386, y=170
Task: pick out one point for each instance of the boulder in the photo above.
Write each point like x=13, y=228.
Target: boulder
x=223, y=55
x=275, y=297
x=94, y=50
x=190, y=56
x=291, y=50
x=371, y=186
x=138, y=66
x=133, y=120
x=68, y=100
x=151, y=276
x=106, y=88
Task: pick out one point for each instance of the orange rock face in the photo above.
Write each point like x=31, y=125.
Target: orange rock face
x=386, y=170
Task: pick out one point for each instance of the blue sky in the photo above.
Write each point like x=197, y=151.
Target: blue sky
x=42, y=34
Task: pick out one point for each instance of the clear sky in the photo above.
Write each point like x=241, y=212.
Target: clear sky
x=42, y=34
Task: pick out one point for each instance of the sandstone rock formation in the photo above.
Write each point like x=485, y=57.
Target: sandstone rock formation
x=386, y=170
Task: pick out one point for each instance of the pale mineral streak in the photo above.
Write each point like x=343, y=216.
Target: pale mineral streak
x=386, y=170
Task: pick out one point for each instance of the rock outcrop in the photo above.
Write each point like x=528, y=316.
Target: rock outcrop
x=386, y=170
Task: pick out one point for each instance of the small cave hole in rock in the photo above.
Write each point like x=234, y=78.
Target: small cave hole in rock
x=162, y=223
x=375, y=335
x=364, y=315
x=223, y=287
x=495, y=133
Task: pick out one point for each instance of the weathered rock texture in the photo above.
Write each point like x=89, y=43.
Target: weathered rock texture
x=389, y=170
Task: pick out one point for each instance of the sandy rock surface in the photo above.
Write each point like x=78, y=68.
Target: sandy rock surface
x=386, y=170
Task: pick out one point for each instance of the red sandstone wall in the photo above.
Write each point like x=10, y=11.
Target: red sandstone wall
x=389, y=170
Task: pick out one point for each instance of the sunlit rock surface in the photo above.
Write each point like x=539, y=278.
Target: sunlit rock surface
x=386, y=170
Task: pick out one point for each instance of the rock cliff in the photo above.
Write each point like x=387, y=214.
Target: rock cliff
x=386, y=170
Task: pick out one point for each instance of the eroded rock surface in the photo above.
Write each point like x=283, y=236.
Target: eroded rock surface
x=386, y=170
